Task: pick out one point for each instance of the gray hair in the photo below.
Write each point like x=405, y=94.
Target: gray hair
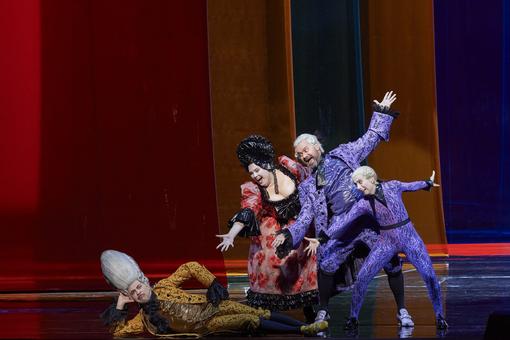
x=365, y=172
x=120, y=270
x=311, y=139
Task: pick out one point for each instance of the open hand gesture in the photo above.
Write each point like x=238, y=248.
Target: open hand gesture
x=432, y=179
x=226, y=242
x=278, y=240
x=311, y=248
x=388, y=99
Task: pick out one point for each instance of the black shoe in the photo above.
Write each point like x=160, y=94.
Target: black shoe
x=351, y=324
x=441, y=322
x=309, y=314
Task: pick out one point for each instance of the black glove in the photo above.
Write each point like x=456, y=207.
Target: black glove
x=216, y=293
x=323, y=238
x=385, y=109
x=284, y=249
x=430, y=184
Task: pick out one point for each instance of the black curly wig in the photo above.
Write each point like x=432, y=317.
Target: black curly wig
x=256, y=149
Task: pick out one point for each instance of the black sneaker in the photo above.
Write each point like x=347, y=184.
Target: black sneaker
x=351, y=324
x=441, y=322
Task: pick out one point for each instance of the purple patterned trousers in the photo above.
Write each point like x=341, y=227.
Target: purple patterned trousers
x=406, y=240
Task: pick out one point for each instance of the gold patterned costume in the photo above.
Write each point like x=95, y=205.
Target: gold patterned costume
x=191, y=313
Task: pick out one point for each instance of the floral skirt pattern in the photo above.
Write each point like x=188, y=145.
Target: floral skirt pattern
x=279, y=284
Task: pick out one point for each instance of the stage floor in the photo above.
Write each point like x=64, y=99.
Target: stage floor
x=472, y=287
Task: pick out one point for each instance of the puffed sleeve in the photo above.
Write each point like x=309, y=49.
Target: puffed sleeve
x=251, y=205
x=299, y=171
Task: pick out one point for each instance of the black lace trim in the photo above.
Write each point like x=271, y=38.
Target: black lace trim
x=379, y=194
x=323, y=237
x=216, y=293
x=385, y=109
x=278, y=302
x=112, y=316
x=247, y=217
x=284, y=249
x=288, y=207
x=288, y=173
x=151, y=309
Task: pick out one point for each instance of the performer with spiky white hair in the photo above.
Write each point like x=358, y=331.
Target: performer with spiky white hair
x=166, y=309
x=383, y=200
x=326, y=196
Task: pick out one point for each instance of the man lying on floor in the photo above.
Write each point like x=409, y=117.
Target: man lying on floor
x=165, y=309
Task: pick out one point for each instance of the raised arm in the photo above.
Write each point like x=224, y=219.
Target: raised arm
x=186, y=272
x=355, y=152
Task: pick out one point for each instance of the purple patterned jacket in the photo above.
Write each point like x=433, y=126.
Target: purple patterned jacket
x=388, y=208
x=313, y=199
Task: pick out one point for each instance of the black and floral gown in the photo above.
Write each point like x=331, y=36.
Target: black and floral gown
x=275, y=284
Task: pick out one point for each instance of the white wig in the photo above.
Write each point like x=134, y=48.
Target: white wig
x=311, y=139
x=363, y=172
x=121, y=270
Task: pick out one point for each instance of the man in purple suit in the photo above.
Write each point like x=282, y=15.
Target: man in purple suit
x=383, y=200
x=326, y=196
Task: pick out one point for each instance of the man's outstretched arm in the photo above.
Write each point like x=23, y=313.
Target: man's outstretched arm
x=379, y=129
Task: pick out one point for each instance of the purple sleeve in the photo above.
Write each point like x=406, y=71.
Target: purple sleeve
x=356, y=151
x=300, y=227
x=413, y=186
x=341, y=224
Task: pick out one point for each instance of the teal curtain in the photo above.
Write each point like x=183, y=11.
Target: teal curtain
x=327, y=65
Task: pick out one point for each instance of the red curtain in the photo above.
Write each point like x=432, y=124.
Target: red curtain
x=108, y=143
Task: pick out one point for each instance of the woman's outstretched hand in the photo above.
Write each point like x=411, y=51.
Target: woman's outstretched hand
x=226, y=242
x=278, y=240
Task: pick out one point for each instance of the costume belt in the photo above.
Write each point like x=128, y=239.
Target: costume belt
x=396, y=225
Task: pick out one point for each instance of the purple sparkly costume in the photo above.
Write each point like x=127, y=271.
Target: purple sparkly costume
x=329, y=193
x=397, y=235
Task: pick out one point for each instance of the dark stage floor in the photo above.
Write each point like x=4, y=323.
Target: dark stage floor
x=473, y=287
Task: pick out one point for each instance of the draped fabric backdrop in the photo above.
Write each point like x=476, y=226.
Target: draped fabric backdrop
x=251, y=93
x=106, y=139
x=327, y=70
x=120, y=119
x=398, y=55
x=473, y=90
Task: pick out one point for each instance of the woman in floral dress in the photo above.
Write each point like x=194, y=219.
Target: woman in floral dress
x=269, y=203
